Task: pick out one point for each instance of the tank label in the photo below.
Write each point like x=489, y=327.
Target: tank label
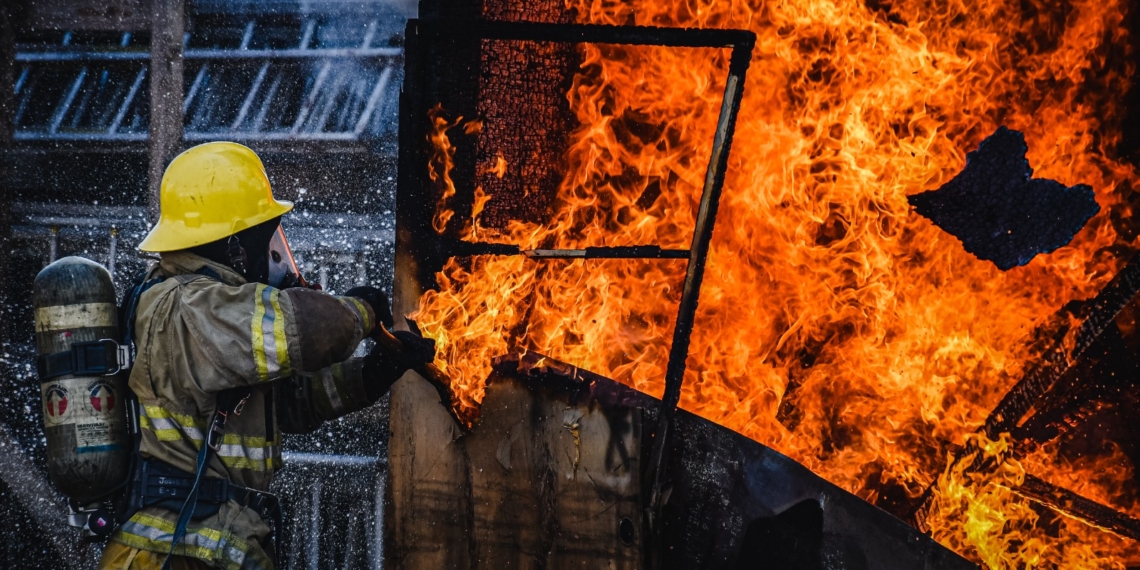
x=67, y=317
x=92, y=405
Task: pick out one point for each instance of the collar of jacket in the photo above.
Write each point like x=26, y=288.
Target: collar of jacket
x=185, y=263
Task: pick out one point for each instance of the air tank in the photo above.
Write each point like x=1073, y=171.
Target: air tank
x=85, y=418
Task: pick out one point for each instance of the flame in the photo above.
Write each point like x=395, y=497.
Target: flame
x=834, y=325
x=440, y=163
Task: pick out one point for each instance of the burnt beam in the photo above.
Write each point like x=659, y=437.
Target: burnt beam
x=1059, y=359
x=690, y=293
x=590, y=33
x=1057, y=383
x=1074, y=505
x=732, y=501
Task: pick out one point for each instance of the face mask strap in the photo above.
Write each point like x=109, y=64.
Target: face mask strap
x=239, y=261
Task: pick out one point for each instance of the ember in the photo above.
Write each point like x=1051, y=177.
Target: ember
x=836, y=326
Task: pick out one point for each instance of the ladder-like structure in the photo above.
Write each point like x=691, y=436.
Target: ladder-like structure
x=262, y=81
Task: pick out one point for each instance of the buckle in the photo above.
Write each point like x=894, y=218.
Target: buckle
x=124, y=353
x=98, y=357
x=103, y=357
x=217, y=429
x=240, y=406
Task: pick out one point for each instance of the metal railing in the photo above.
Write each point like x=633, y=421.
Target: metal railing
x=69, y=93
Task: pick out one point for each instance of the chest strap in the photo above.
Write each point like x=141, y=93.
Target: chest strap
x=229, y=402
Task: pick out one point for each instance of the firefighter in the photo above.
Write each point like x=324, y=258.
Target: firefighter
x=215, y=340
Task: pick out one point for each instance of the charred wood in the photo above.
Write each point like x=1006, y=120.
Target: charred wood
x=1074, y=505
x=728, y=501
x=1059, y=386
x=168, y=22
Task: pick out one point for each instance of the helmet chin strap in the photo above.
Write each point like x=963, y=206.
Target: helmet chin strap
x=239, y=260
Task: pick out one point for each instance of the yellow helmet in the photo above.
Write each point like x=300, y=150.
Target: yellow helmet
x=209, y=192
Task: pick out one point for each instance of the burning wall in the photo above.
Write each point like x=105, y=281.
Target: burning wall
x=835, y=325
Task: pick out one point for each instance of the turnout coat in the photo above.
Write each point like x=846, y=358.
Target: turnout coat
x=204, y=329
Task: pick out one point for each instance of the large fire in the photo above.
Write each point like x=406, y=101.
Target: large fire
x=889, y=343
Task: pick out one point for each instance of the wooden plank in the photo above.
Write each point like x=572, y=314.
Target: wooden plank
x=428, y=495
x=541, y=481
x=99, y=15
x=168, y=22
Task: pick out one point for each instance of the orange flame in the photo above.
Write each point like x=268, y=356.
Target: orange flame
x=828, y=306
x=440, y=163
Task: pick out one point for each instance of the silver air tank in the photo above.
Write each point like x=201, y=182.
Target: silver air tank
x=84, y=415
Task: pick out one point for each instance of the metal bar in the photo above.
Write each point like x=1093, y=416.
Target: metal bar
x=297, y=457
x=88, y=136
x=311, y=98
x=246, y=36
x=23, y=105
x=314, y=543
x=259, y=120
x=328, y=103
x=53, y=244
x=189, y=136
x=126, y=105
x=373, y=101
x=618, y=252
x=307, y=35
x=65, y=56
x=588, y=33
x=111, y=254
x=194, y=87
x=369, y=35
x=20, y=81
x=64, y=105
x=1071, y=504
x=250, y=96
x=268, y=136
x=694, y=274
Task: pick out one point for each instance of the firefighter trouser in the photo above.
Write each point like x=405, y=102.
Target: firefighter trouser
x=121, y=557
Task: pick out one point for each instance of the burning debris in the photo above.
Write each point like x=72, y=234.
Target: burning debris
x=999, y=212
x=835, y=326
x=550, y=478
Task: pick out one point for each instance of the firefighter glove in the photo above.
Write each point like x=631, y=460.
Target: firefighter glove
x=375, y=299
x=383, y=367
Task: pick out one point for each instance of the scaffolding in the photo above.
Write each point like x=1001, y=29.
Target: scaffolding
x=263, y=80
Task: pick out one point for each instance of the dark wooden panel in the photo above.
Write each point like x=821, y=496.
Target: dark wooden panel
x=541, y=482
x=102, y=15
x=168, y=18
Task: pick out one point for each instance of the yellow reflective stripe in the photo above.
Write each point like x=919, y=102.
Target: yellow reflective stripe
x=248, y=441
x=282, y=346
x=269, y=463
x=235, y=451
x=267, y=331
x=256, y=327
x=360, y=308
x=183, y=419
x=152, y=533
x=169, y=426
x=162, y=434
